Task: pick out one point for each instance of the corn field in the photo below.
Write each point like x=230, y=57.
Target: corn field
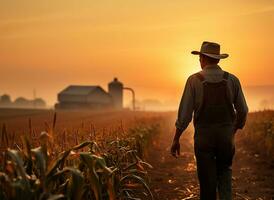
x=84, y=165
x=259, y=132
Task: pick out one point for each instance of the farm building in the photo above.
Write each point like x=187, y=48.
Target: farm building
x=91, y=97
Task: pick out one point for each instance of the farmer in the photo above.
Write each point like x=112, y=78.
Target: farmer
x=220, y=109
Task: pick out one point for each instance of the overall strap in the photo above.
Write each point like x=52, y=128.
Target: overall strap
x=200, y=77
x=225, y=76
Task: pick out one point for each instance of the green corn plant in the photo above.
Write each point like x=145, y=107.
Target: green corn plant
x=107, y=169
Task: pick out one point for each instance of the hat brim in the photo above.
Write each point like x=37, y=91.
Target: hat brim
x=215, y=56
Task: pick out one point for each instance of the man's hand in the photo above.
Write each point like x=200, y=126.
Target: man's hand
x=175, y=148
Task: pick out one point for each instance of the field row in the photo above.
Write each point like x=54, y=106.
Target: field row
x=77, y=156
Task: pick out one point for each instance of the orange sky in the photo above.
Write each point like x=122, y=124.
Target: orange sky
x=48, y=44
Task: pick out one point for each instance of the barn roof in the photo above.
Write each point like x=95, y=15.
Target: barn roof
x=80, y=90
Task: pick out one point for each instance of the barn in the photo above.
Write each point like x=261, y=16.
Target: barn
x=91, y=97
x=78, y=96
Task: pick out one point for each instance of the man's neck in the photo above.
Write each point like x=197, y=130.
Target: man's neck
x=211, y=66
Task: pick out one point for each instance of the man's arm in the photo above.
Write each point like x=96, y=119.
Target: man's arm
x=184, y=117
x=185, y=110
x=240, y=106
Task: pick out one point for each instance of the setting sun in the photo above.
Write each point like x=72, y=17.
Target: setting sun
x=46, y=46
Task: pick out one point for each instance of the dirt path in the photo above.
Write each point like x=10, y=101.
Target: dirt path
x=174, y=179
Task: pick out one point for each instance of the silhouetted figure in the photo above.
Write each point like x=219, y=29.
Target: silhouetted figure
x=219, y=107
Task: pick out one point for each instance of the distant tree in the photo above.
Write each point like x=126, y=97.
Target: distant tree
x=5, y=100
x=21, y=102
x=39, y=103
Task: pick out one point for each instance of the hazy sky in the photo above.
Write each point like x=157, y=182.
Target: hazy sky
x=49, y=44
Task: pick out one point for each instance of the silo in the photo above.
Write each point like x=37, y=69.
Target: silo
x=115, y=89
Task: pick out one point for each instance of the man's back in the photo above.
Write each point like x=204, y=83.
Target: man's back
x=217, y=106
x=192, y=98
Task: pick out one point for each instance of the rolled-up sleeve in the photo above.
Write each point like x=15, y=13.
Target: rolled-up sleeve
x=240, y=106
x=186, y=107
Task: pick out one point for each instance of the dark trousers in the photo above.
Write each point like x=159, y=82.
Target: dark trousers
x=214, y=150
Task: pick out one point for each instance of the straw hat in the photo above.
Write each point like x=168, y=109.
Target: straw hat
x=210, y=49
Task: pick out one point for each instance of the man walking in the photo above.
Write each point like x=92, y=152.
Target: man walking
x=219, y=107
